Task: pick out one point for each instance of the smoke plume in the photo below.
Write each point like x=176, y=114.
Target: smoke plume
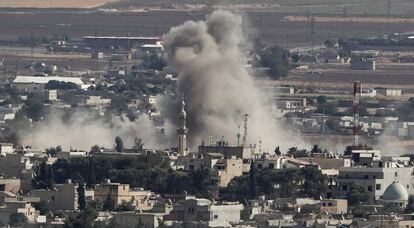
x=217, y=87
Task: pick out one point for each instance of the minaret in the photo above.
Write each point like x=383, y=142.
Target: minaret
x=182, y=130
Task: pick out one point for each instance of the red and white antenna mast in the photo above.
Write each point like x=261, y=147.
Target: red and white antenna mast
x=355, y=109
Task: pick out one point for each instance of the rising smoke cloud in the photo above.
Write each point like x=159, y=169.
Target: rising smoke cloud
x=217, y=87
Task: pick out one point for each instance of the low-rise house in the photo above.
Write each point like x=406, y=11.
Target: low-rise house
x=205, y=213
x=362, y=63
x=22, y=207
x=37, y=83
x=334, y=206
x=389, y=92
x=61, y=197
x=138, y=219
x=97, y=101
x=222, y=170
x=122, y=193
x=10, y=185
x=6, y=113
x=6, y=148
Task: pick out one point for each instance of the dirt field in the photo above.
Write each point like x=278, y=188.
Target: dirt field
x=352, y=19
x=271, y=27
x=84, y=4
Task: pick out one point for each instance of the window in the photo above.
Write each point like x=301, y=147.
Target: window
x=191, y=167
x=215, y=216
x=365, y=176
x=330, y=204
x=259, y=166
x=378, y=186
x=347, y=175
x=396, y=174
x=408, y=186
x=190, y=209
x=344, y=187
x=323, y=204
x=271, y=165
x=369, y=188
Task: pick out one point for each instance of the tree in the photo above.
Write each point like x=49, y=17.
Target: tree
x=83, y=219
x=95, y=149
x=81, y=195
x=34, y=108
x=252, y=181
x=275, y=58
x=109, y=203
x=297, y=153
x=321, y=99
x=92, y=174
x=357, y=194
x=314, y=185
x=316, y=149
x=329, y=43
x=410, y=206
x=277, y=151
x=119, y=144
x=295, y=58
x=17, y=219
x=126, y=206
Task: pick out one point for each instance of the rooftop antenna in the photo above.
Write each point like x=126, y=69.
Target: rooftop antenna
x=238, y=136
x=246, y=116
x=260, y=145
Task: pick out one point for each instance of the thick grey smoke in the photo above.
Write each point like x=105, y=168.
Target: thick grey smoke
x=217, y=87
x=83, y=130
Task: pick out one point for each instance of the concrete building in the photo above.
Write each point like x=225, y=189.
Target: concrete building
x=205, y=213
x=222, y=170
x=52, y=95
x=376, y=177
x=291, y=103
x=6, y=148
x=97, y=101
x=389, y=92
x=118, y=41
x=358, y=63
x=37, y=83
x=16, y=165
x=135, y=219
x=334, y=206
x=10, y=185
x=61, y=197
x=23, y=207
x=7, y=113
x=122, y=193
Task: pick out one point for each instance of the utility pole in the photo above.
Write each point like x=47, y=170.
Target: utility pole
x=389, y=9
x=312, y=27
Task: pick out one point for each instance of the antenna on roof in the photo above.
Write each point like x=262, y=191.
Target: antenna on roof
x=238, y=136
x=246, y=116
